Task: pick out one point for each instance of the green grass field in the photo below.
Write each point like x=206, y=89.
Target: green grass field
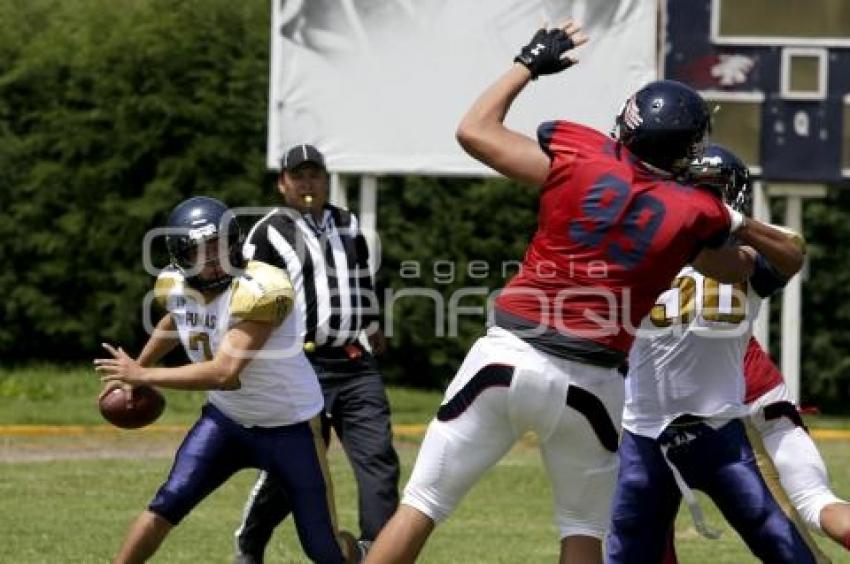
x=69, y=498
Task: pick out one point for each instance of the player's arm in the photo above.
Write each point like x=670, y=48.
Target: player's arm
x=260, y=302
x=482, y=132
x=239, y=346
x=778, y=249
x=163, y=339
x=782, y=248
x=727, y=264
x=161, y=342
x=484, y=136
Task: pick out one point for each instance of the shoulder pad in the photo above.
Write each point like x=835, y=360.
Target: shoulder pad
x=263, y=293
x=169, y=282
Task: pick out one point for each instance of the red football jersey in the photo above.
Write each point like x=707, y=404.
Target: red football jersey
x=760, y=372
x=612, y=234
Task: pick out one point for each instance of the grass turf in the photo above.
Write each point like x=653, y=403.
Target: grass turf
x=78, y=510
x=74, y=505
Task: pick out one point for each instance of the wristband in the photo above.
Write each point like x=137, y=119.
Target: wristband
x=736, y=219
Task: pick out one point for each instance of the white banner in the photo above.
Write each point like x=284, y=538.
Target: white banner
x=380, y=85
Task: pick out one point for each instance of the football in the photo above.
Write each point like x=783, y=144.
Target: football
x=146, y=408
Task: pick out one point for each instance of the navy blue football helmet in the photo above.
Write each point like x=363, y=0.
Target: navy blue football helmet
x=195, y=221
x=665, y=124
x=722, y=171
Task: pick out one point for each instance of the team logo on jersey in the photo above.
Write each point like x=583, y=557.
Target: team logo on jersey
x=196, y=319
x=631, y=114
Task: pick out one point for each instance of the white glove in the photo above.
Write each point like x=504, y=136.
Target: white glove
x=737, y=219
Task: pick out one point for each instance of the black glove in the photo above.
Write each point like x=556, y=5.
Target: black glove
x=544, y=54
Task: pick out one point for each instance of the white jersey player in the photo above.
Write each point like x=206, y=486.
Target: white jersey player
x=278, y=386
x=264, y=398
x=695, y=320
x=682, y=418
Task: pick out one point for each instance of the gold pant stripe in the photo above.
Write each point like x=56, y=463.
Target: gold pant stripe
x=771, y=477
x=321, y=454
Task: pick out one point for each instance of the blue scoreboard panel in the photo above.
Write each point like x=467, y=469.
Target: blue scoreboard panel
x=778, y=74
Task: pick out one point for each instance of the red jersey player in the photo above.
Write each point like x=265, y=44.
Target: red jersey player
x=614, y=228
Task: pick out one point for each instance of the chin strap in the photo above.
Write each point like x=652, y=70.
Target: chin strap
x=697, y=515
x=209, y=285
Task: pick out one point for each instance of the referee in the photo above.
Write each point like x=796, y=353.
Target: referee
x=325, y=254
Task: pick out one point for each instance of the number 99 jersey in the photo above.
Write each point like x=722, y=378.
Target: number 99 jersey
x=612, y=234
x=278, y=387
x=689, y=354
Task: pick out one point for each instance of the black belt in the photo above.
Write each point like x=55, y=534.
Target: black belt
x=682, y=431
x=686, y=420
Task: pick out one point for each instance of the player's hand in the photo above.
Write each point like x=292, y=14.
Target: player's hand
x=110, y=387
x=546, y=53
x=114, y=385
x=121, y=368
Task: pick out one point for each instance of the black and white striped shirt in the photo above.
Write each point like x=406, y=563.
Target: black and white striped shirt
x=327, y=262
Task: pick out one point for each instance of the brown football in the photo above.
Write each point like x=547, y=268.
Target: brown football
x=146, y=408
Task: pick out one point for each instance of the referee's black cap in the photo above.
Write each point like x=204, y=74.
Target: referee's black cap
x=301, y=154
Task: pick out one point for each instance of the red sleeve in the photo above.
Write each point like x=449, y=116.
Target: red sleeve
x=566, y=142
x=545, y=133
x=760, y=372
x=558, y=137
x=712, y=224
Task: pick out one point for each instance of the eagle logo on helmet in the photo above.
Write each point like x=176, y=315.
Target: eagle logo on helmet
x=664, y=124
x=631, y=114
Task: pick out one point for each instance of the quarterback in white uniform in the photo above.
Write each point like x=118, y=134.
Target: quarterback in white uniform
x=682, y=417
x=264, y=398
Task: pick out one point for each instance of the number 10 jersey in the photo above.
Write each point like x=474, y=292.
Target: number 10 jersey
x=689, y=355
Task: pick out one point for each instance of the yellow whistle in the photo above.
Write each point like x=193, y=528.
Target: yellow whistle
x=309, y=346
x=308, y=200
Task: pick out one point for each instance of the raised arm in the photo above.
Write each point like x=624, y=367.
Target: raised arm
x=482, y=132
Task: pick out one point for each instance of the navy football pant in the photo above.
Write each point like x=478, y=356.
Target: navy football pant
x=217, y=447
x=718, y=462
x=360, y=416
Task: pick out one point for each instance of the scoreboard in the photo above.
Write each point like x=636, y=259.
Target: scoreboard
x=777, y=75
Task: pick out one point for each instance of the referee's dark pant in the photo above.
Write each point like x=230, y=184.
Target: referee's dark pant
x=357, y=408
